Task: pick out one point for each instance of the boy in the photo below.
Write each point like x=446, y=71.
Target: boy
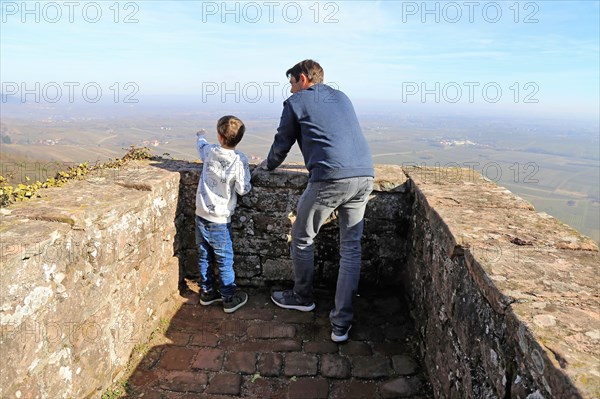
x=225, y=172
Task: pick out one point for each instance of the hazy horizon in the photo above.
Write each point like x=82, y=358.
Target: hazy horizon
x=551, y=162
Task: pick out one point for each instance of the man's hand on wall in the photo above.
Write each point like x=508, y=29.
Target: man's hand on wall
x=260, y=168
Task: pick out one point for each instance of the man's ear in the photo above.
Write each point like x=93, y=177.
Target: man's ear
x=304, y=82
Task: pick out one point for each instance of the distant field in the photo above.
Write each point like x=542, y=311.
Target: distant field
x=564, y=187
x=558, y=176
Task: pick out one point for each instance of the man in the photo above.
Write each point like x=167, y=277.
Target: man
x=323, y=123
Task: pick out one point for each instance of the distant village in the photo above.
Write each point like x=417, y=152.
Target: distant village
x=49, y=142
x=155, y=142
x=458, y=143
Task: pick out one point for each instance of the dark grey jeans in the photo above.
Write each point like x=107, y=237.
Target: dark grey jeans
x=317, y=203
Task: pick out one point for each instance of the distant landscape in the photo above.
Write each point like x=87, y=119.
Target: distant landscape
x=553, y=165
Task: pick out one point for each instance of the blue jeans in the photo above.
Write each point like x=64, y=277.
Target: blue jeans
x=317, y=203
x=214, y=245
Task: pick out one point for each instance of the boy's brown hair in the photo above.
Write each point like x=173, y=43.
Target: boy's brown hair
x=310, y=68
x=231, y=129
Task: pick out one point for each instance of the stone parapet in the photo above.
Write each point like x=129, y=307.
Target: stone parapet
x=506, y=298
x=262, y=223
x=87, y=272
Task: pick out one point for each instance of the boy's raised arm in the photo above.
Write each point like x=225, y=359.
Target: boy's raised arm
x=201, y=142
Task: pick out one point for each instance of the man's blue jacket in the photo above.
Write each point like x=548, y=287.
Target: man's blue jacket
x=323, y=122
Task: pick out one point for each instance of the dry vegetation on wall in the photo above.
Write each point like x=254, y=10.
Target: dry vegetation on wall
x=10, y=193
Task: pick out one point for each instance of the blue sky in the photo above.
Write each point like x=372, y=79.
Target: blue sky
x=527, y=57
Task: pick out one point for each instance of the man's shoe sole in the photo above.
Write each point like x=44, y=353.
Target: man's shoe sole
x=231, y=310
x=302, y=308
x=341, y=338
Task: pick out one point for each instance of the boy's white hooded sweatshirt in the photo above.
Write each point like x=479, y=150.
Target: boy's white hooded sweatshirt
x=224, y=173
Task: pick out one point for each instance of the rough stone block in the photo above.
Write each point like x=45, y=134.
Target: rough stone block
x=353, y=390
x=148, y=378
x=225, y=384
x=269, y=364
x=334, y=366
x=176, y=358
x=404, y=365
x=240, y=362
x=184, y=381
x=354, y=348
x=401, y=387
x=247, y=266
x=295, y=317
x=287, y=175
x=371, y=367
x=278, y=269
x=274, y=388
x=320, y=347
x=275, y=345
x=236, y=328
x=271, y=330
x=205, y=339
x=309, y=388
x=208, y=359
x=300, y=364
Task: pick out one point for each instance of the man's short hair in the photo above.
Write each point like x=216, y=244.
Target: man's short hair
x=231, y=129
x=310, y=68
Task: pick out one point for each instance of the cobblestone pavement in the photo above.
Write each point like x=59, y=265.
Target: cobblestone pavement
x=263, y=351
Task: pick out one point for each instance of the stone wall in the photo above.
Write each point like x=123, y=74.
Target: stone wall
x=505, y=299
x=263, y=220
x=87, y=272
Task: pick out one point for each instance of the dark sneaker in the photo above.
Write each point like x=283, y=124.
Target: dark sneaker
x=235, y=302
x=340, y=334
x=287, y=299
x=210, y=297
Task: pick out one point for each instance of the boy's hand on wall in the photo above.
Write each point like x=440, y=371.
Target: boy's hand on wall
x=200, y=132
